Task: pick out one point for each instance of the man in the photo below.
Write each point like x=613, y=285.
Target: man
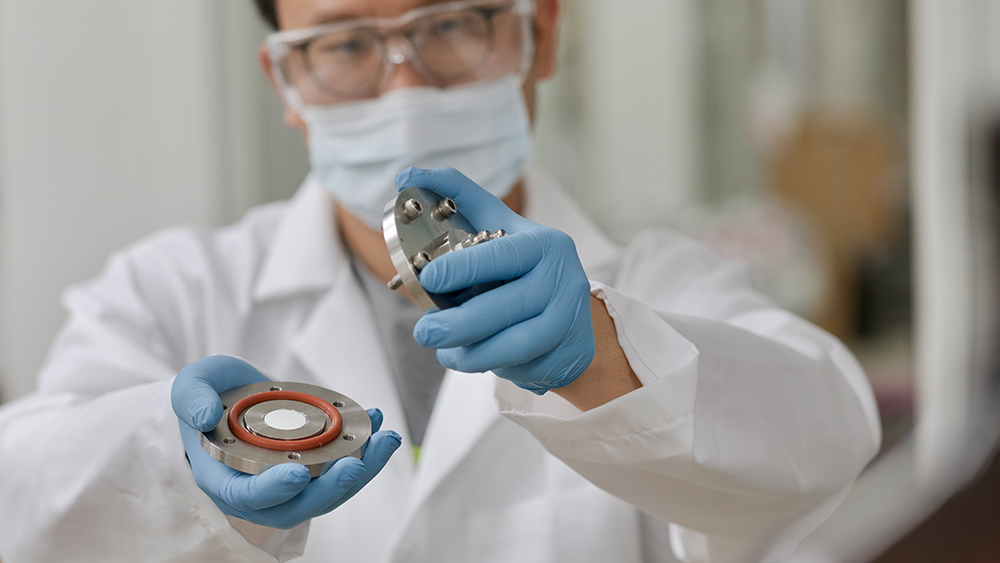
x=647, y=396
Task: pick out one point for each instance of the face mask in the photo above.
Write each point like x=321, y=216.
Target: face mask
x=356, y=149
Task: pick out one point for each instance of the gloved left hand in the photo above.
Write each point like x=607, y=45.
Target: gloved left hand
x=535, y=330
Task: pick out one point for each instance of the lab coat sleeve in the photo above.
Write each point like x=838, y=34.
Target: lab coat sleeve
x=750, y=425
x=92, y=462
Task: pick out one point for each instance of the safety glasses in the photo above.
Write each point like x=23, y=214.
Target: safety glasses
x=446, y=45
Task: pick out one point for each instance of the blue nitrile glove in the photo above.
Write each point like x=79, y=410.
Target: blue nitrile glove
x=283, y=496
x=536, y=330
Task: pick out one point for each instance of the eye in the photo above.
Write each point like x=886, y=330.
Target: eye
x=340, y=46
x=454, y=24
x=448, y=25
x=349, y=47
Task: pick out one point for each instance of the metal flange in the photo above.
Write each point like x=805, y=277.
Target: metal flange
x=420, y=226
x=270, y=423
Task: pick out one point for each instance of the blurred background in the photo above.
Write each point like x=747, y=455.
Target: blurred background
x=846, y=151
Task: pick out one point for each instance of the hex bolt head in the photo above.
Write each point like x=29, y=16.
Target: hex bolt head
x=420, y=260
x=395, y=283
x=412, y=209
x=444, y=209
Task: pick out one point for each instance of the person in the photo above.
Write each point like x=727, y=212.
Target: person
x=605, y=404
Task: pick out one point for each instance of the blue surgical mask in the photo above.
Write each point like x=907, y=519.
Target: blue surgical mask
x=356, y=149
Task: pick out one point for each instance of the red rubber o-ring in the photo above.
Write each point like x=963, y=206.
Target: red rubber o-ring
x=336, y=421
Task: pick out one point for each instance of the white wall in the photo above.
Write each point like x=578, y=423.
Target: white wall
x=117, y=118
x=620, y=125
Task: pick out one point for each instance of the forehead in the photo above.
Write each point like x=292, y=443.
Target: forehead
x=294, y=14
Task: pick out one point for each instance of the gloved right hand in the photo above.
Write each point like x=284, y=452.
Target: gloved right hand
x=285, y=495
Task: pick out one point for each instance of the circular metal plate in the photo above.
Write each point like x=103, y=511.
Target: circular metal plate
x=222, y=444
x=413, y=224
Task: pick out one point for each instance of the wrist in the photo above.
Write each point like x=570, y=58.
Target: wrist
x=609, y=375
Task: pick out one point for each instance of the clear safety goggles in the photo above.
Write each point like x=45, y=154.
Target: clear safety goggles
x=446, y=44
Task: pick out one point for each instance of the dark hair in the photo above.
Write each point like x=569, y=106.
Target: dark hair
x=268, y=11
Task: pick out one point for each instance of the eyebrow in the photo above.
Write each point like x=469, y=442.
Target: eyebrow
x=334, y=16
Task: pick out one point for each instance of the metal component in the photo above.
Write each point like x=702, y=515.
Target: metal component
x=420, y=260
x=253, y=419
x=481, y=237
x=444, y=209
x=415, y=242
x=412, y=209
x=499, y=233
x=395, y=283
x=223, y=444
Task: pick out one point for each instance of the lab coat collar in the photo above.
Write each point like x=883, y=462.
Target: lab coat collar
x=306, y=252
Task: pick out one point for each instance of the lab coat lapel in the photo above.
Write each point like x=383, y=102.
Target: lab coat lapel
x=340, y=346
x=465, y=409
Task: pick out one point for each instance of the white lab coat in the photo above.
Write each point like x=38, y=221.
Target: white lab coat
x=749, y=428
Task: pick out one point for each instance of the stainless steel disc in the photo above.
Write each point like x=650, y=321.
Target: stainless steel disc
x=280, y=421
x=420, y=226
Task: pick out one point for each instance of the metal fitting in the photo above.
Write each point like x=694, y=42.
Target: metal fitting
x=420, y=260
x=444, y=209
x=412, y=209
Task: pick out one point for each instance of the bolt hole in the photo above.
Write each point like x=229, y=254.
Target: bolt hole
x=225, y=407
x=338, y=404
x=294, y=455
x=275, y=388
x=229, y=440
x=349, y=437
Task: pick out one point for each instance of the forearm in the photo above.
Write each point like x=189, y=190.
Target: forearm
x=736, y=433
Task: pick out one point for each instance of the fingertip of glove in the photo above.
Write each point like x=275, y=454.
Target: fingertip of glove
x=295, y=473
x=428, y=333
x=204, y=416
x=376, y=418
x=352, y=468
x=432, y=276
x=403, y=178
x=394, y=439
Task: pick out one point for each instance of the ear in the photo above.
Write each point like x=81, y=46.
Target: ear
x=292, y=119
x=546, y=27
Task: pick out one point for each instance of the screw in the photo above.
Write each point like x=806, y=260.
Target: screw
x=412, y=209
x=420, y=260
x=444, y=209
x=498, y=234
x=395, y=283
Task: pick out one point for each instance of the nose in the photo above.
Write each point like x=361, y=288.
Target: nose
x=401, y=73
